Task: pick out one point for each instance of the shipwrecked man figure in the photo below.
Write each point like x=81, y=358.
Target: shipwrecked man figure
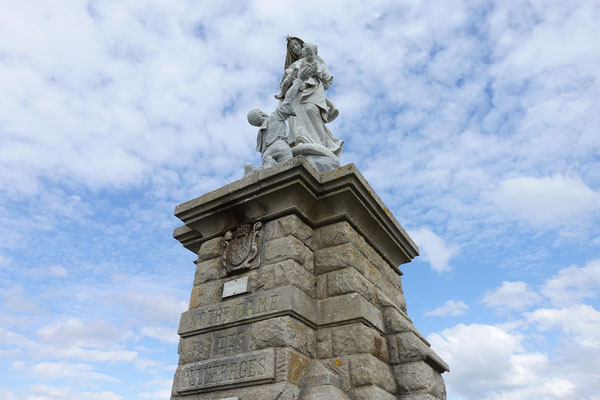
x=272, y=139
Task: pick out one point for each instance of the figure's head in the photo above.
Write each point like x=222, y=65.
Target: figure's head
x=256, y=117
x=294, y=46
x=309, y=51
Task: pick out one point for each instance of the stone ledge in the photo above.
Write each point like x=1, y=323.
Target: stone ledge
x=287, y=300
x=349, y=308
x=243, y=369
x=294, y=187
x=408, y=347
x=279, y=390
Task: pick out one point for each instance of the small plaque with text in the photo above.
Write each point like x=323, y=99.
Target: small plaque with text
x=236, y=286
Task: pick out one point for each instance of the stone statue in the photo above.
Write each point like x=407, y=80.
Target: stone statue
x=272, y=139
x=308, y=134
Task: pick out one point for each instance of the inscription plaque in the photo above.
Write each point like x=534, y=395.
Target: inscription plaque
x=231, y=341
x=236, y=286
x=281, y=301
x=256, y=366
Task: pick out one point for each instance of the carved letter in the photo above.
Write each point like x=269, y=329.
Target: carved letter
x=273, y=303
x=261, y=363
x=243, y=369
x=262, y=305
x=232, y=371
x=251, y=370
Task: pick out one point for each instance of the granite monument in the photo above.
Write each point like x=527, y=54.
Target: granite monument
x=297, y=293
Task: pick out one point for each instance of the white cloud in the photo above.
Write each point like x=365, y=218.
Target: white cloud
x=154, y=307
x=488, y=362
x=53, y=271
x=7, y=395
x=449, y=308
x=167, y=334
x=63, y=369
x=511, y=296
x=76, y=332
x=16, y=300
x=44, y=392
x=571, y=285
x=556, y=200
x=580, y=322
x=91, y=355
x=434, y=249
x=9, y=338
x=163, y=389
x=57, y=270
x=159, y=394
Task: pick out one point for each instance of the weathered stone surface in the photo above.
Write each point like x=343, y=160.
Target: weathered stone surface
x=294, y=186
x=342, y=232
x=419, y=376
x=285, y=273
x=383, y=285
x=208, y=270
x=274, y=391
x=340, y=256
x=349, y=280
x=319, y=375
x=220, y=343
x=325, y=392
x=396, y=322
x=261, y=305
x=407, y=347
x=420, y=396
x=348, y=308
x=289, y=225
x=324, y=343
x=291, y=365
x=258, y=366
x=283, y=332
x=334, y=234
x=385, y=302
x=366, y=370
x=205, y=293
x=436, y=362
x=194, y=348
x=211, y=249
x=357, y=338
x=341, y=366
x=321, y=286
x=323, y=301
x=371, y=393
x=287, y=248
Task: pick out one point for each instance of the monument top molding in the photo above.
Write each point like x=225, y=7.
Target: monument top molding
x=296, y=187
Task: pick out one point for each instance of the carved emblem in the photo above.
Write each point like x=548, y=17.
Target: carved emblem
x=240, y=248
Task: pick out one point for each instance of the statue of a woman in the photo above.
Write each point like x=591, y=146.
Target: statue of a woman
x=309, y=135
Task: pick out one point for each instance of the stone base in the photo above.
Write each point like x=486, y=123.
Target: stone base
x=319, y=311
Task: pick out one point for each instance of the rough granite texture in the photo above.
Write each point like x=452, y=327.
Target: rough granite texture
x=324, y=316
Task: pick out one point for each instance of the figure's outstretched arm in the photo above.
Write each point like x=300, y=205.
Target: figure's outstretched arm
x=303, y=75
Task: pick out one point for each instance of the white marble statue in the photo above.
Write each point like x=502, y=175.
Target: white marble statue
x=309, y=136
x=272, y=139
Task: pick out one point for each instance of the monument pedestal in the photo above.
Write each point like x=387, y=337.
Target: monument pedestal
x=297, y=294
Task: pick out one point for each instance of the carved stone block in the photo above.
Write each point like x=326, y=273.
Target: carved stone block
x=296, y=295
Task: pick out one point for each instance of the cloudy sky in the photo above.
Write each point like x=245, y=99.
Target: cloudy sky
x=477, y=123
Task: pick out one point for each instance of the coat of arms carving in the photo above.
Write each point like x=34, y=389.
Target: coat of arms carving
x=240, y=248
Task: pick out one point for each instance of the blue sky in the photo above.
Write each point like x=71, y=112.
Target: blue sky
x=477, y=123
